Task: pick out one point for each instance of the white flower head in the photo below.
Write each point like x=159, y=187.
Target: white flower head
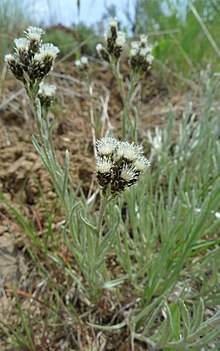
x=119, y=164
x=134, y=52
x=84, y=60
x=149, y=58
x=128, y=173
x=34, y=33
x=127, y=151
x=78, y=63
x=21, y=44
x=142, y=55
x=9, y=58
x=144, y=39
x=99, y=47
x=48, y=90
x=38, y=57
x=141, y=164
x=121, y=39
x=103, y=165
x=113, y=23
x=144, y=51
x=83, y=63
x=49, y=50
x=106, y=146
x=135, y=45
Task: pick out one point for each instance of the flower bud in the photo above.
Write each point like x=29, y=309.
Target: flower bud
x=115, y=41
x=46, y=94
x=15, y=66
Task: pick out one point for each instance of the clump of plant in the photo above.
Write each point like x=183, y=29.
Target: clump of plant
x=30, y=63
x=154, y=235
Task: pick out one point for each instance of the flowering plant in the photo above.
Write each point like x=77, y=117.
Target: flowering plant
x=152, y=240
x=118, y=164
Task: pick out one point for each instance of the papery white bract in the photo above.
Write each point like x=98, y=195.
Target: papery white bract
x=49, y=50
x=34, y=33
x=21, y=44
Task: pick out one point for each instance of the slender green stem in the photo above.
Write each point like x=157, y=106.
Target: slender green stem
x=46, y=143
x=102, y=207
x=126, y=97
x=118, y=76
x=103, y=203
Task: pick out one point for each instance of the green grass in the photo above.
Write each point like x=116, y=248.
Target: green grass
x=73, y=42
x=179, y=32
x=87, y=37
x=65, y=41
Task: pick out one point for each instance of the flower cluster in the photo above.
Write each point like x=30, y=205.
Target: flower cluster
x=82, y=64
x=119, y=164
x=115, y=41
x=141, y=56
x=32, y=60
x=46, y=94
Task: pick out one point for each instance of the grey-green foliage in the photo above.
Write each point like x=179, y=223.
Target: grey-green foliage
x=176, y=204
x=173, y=219
x=83, y=236
x=178, y=331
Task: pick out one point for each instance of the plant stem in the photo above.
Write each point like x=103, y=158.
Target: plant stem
x=102, y=207
x=118, y=76
x=103, y=203
x=46, y=143
x=125, y=97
